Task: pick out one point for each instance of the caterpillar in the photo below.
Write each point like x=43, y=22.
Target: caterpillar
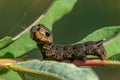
x=50, y=51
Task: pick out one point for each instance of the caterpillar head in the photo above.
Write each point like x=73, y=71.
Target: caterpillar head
x=41, y=34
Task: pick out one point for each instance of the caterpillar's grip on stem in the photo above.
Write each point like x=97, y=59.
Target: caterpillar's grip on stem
x=51, y=51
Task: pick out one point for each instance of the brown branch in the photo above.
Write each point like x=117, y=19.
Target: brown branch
x=89, y=62
x=95, y=62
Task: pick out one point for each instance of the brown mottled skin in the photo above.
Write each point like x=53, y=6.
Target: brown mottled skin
x=44, y=39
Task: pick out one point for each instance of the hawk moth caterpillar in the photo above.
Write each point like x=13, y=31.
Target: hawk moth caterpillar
x=50, y=51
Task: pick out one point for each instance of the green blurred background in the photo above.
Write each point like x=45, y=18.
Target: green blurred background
x=86, y=17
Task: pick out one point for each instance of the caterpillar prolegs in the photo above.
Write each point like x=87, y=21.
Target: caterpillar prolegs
x=51, y=51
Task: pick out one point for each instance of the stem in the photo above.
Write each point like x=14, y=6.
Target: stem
x=89, y=62
x=95, y=62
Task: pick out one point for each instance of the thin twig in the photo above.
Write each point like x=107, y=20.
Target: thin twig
x=95, y=62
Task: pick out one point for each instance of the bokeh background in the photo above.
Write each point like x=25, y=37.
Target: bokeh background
x=86, y=17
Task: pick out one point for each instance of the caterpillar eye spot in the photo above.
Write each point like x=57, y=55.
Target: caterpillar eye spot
x=47, y=34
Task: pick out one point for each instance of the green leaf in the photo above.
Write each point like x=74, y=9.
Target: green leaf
x=103, y=33
x=50, y=70
x=9, y=75
x=20, y=46
x=5, y=42
x=56, y=11
x=115, y=57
